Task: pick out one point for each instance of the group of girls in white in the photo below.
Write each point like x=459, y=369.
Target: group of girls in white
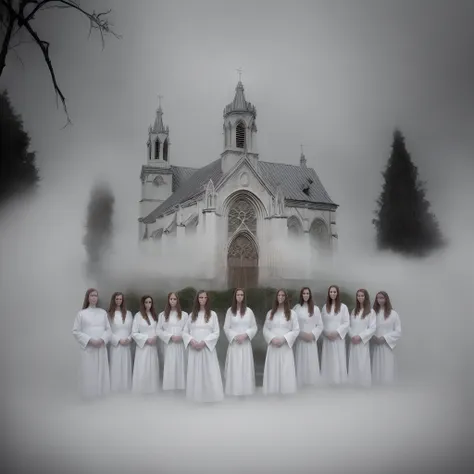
x=189, y=340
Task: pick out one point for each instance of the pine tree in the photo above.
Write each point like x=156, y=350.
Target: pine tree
x=404, y=223
x=99, y=227
x=18, y=172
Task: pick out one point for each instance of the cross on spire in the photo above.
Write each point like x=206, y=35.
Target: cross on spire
x=239, y=70
x=159, y=101
x=301, y=149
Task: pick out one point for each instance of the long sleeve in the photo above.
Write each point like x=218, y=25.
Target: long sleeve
x=138, y=337
x=130, y=335
x=267, y=333
x=252, y=330
x=230, y=333
x=107, y=334
x=82, y=338
x=187, y=338
x=114, y=339
x=318, y=328
x=295, y=330
x=345, y=322
x=367, y=334
x=211, y=339
x=393, y=336
x=161, y=332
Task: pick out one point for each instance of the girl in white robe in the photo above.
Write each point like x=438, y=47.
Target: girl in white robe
x=91, y=330
x=200, y=335
x=361, y=330
x=146, y=368
x=169, y=329
x=240, y=328
x=120, y=354
x=280, y=332
x=335, y=316
x=306, y=348
x=387, y=334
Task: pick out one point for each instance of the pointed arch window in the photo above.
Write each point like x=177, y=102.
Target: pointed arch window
x=242, y=216
x=149, y=149
x=165, y=150
x=157, y=149
x=240, y=135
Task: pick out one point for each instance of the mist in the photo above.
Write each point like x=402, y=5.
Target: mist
x=352, y=72
x=43, y=280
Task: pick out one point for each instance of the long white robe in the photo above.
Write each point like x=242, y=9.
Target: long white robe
x=239, y=370
x=306, y=353
x=279, y=373
x=174, y=367
x=120, y=357
x=93, y=323
x=359, y=354
x=383, y=357
x=333, y=356
x=146, y=367
x=203, y=375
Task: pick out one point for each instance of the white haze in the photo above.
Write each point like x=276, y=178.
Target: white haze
x=42, y=286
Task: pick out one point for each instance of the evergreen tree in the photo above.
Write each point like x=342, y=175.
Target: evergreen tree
x=18, y=172
x=404, y=223
x=99, y=227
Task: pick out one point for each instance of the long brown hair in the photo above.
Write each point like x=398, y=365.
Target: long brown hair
x=243, y=306
x=337, y=301
x=85, y=303
x=388, y=304
x=358, y=307
x=152, y=309
x=197, y=307
x=112, y=306
x=286, y=305
x=168, y=306
x=310, y=302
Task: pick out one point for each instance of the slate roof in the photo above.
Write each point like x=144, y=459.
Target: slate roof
x=292, y=180
x=192, y=186
x=180, y=175
x=189, y=183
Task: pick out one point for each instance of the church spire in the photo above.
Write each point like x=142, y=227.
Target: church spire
x=302, y=158
x=239, y=104
x=158, y=140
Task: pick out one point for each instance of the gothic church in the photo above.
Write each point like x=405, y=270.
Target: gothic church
x=258, y=223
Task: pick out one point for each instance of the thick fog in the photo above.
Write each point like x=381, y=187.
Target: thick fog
x=351, y=72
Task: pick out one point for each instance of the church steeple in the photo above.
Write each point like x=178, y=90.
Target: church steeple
x=158, y=141
x=302, y=158
x=240, y=129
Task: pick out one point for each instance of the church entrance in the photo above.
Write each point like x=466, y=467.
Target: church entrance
x=242, y=263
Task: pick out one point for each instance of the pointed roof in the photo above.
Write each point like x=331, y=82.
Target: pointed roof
x=239, y=104
x=158, y=126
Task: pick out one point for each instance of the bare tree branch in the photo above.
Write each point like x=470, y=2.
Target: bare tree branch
x=98, y=21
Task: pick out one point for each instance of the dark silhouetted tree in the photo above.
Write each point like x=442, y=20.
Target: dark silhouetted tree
x=404, y=223
x=18, y=172
x=99, y=227
x=17, y=26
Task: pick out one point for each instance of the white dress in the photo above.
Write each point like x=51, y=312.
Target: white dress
x=359, y=354
x=383, y=357
x=203, y=376
x=174, y=367
x=306, y=353
x=333, y=356
x=279, y=374
x=239, y=371
x=120, y=357
x=93, y=323
x=146, y=367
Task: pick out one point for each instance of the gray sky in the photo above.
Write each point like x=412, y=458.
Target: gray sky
x=337, y=76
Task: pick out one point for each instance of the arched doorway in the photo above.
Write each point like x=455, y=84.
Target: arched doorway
x=320, y=238
x=242, y=262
